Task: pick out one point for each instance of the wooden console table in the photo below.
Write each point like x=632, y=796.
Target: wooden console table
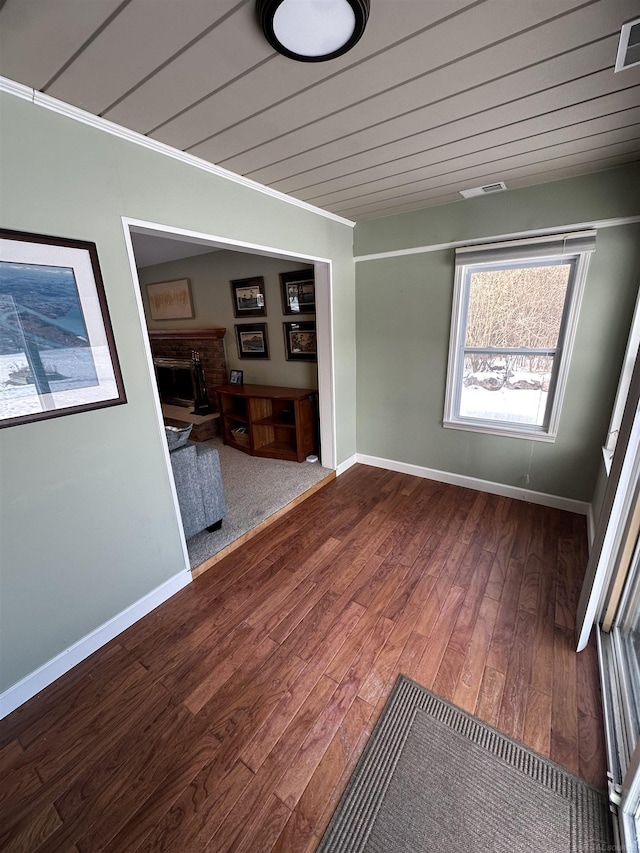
x=266, y=420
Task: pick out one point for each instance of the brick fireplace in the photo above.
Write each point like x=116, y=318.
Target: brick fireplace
x=177, y=346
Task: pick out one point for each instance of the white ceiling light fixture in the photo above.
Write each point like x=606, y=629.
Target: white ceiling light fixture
x=313, y=30
x=629, y=46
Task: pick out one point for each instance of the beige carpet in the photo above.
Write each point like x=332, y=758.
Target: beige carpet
x=254, y=489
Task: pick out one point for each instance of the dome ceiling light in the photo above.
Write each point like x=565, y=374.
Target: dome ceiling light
x=313, y=30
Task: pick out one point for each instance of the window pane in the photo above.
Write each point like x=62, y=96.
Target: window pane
x=519, y=307
x=505, y=387
x=627, y=624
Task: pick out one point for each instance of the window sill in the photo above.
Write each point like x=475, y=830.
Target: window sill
x=500, y=430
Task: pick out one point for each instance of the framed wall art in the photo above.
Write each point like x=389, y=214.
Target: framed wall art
x=300, y=341
x=170, y=300
x=298, y=292
x=248, y=297
x=252, y=340
x=57, y=351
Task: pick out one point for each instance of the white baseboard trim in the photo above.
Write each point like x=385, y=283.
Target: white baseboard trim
x=46, y=674
x=555, y=501
x=348, y=463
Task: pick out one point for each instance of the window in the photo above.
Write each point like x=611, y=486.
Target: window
x=513, y=323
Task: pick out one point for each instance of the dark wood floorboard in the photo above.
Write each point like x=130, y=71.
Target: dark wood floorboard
x=231, y=718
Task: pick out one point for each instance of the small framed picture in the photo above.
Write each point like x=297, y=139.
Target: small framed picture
x=248, y=297
x=252, y=340
x=300, y=341
x=236, y=377
x=170, y=300
x=298, y=292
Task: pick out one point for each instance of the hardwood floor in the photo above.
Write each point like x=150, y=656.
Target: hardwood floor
x=231, y=717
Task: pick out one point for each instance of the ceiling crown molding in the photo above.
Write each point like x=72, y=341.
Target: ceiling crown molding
x=41, y=100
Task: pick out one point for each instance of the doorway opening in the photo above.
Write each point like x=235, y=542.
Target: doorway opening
x=152, y=244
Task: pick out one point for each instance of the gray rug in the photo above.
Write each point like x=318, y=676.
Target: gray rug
x=433, y=778
x=254, y=488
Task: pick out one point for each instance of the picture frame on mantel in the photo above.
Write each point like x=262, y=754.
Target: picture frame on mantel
x=248, y=297
x=252, y=340
x=57, y=349
x=170, y=300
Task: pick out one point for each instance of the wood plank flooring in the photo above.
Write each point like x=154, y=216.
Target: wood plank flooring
x=231, y=717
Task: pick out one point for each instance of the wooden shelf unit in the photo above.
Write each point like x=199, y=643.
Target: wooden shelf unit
x=281, y=423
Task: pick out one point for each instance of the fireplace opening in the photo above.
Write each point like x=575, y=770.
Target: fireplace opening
x=175, y=381
x=181, y=383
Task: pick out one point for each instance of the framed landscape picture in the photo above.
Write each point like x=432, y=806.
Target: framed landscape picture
x=298, y=292
x=248, y=297
x=300, y=341
x=170, y=300
x=57, y=352
x=252, y=340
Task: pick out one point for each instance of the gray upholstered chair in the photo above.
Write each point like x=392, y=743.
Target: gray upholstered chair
x=196, y=472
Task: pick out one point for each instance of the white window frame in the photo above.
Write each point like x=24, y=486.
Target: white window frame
x=575, y=247
x=624, y=383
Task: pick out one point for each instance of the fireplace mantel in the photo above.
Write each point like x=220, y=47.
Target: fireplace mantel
x=185, y=334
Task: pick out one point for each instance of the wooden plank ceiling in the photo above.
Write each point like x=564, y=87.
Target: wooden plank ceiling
x=438, y=96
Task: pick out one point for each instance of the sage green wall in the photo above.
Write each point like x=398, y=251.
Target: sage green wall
x=210, y=277
x=403, y=311
x=602, y=195
x=87, y=520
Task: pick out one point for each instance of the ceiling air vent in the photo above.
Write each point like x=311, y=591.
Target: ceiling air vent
x=629, y=46
x=485, y=190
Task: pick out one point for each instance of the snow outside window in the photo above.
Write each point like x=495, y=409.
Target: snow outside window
x=513, y=324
